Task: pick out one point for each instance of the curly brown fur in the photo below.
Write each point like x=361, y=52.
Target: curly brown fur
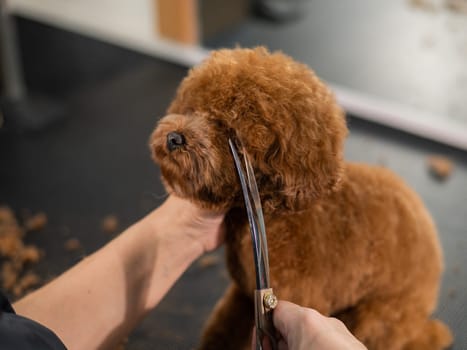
x=349, y=240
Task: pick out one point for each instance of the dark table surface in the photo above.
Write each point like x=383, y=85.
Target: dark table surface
x=96, y=162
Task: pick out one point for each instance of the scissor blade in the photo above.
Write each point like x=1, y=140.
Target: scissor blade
x=259, y=214
x=263, y=316
x=255, y=236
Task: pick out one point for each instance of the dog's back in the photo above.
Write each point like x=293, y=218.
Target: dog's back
x=368, y=254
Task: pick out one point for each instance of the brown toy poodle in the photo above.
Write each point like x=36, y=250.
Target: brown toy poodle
x=350, y=240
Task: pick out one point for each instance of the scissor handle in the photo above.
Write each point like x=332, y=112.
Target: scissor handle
x=265, y=302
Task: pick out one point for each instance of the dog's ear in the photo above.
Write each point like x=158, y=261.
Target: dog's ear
x=305, y=161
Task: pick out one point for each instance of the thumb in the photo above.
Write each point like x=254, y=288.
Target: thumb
x=286, y=318
x=297, y=325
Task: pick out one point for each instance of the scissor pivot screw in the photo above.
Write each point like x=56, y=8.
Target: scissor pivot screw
x=270, y=301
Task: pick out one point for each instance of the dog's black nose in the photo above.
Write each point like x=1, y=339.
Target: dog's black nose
x=175, y=140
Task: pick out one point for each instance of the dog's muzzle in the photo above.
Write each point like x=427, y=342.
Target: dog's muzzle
x=175, y=140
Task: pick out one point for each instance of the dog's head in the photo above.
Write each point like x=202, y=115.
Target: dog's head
x=286, y=118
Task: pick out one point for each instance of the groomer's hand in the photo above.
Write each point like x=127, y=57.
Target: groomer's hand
x=203, y=227
x=306, y=329
x=101, y=299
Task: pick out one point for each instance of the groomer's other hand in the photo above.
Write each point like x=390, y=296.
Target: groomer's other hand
x=306, y=329
x=202, y=226
x=124, y=280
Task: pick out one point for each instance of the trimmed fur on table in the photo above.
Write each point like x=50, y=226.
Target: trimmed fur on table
x=16, y=258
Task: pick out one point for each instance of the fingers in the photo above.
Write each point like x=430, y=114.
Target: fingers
x=289, y=317
x=302, y=328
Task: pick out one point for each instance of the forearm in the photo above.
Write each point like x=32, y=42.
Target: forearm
x=101, y=299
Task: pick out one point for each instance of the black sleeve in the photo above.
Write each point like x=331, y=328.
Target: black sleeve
x=20, y=333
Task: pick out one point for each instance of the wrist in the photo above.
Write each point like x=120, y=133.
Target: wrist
x=160, y=247
x=169, y=249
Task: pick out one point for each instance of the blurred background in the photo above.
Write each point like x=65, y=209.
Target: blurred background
x=84, y=83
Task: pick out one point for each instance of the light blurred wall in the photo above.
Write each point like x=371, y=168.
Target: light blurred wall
x=127, y=18
x=129, y=23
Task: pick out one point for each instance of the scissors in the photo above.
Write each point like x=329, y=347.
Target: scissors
x=265, y=300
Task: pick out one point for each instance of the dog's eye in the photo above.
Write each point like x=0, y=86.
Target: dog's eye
x=219, y=124
x=175, y=140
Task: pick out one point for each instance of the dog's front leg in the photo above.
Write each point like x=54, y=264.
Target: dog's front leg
x=231, y=323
